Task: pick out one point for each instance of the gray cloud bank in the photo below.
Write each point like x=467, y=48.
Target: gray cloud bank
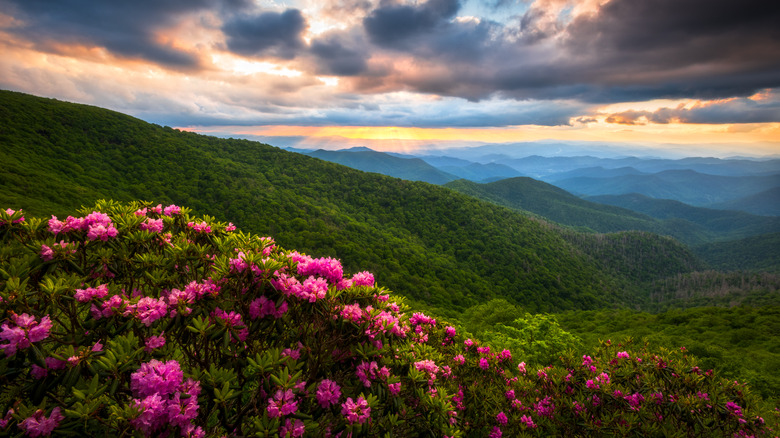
x=627, y=50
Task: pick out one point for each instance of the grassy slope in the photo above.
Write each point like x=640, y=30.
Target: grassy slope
x=429, y=243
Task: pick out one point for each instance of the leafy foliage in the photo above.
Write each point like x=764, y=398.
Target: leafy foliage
x=134, y=319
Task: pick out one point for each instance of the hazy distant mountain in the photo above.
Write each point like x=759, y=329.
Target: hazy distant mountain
x=367, y=160
x=687, y=186
x=766, y=203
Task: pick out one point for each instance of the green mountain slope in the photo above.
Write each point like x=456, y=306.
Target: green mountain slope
x=558, y=205
x=429, y=243
x=412, y=169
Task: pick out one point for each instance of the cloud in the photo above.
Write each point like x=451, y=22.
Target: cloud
x=272, y=34
x=340, y=54
x=397, y=25
x=126, y=28
x=727, y=111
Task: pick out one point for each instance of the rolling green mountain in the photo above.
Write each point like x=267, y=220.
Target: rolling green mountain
x=412, y=169
x=429, y=243
x=610, y=213
x=720, y=224
x=546, y=200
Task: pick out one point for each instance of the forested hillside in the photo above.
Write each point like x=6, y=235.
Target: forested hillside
x=429, y=243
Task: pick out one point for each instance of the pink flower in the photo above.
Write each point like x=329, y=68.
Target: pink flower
x=623, y=355
x=46, y=253
x=328, y=393
x=505, y=355
x=468, y=343
x=367, y=372
x=85, y=295
x=459, y=359
x=495, y=433
x=282, y=404
x=230, y=227
x=395, y=388
x=155, y=377
x=356, y=412
x=501, y=419
x=171, y=210
x=148, y=310
x=38, y=425
x=202, y=227
x=154, y=342
x=293, y=429
x=352, y=312
x=364, y=278
x=152, y=225
x=527, y=421
x=483, y=363
x=510, y=395
x=101, y=232
x=586, y=361
x=26, y=331
x=521, y=367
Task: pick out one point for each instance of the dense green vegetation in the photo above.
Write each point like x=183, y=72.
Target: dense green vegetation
x=412, y=169
x=740, y=342
x=226, y=334
x=447, y=252
x=426, y=242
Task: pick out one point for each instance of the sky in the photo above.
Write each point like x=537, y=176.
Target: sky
x=698, y=77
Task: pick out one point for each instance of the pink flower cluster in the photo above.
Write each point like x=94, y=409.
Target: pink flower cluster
x=328, y=393
x=147, y=310
x=164, y=398
x=232, y=320
x=311, y=290
x=11, y=212
x=282, y=404
x=97, y=225
x=356, y=411
x=262, y=307
x=152, y=225
x=202, y=227
x=326, y=267
x=85, y=295
x=39, y=425
x=24, y=331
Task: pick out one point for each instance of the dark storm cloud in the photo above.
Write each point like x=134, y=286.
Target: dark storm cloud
x=125, y=28
x=340, y=54
x=267, y=34
x=398, y=25
x=678, y=48
x=627, y=50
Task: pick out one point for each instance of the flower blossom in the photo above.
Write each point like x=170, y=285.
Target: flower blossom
x=282, y=404
x=26, y=331
x=202, y=227
x=356, y=411
x=85, y=295
x=328, y=393
x=39, y=425
x=152, y=225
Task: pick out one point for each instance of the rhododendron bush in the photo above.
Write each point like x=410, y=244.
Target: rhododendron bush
x=141, y=320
